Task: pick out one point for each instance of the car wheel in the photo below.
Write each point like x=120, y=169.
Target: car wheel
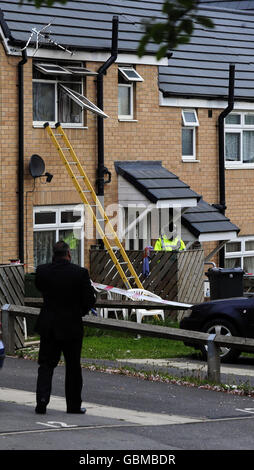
x=221, y=327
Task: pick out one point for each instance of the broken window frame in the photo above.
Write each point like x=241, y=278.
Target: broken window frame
x=83, y=101
x=62, y=74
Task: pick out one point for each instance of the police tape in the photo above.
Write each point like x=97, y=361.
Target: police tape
x=140, y=295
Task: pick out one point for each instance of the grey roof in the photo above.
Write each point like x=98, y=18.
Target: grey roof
x=157, y=183
x=81, y=24
x=231, y=4
x=154, y=181
x=201, y=67
x=205, y=218
x=198, y=69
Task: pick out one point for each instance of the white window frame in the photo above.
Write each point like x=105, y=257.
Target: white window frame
x=243, y=252
x=66, y=124
x=191, y=125
x=48, y=69
x=58, y=225
x=51, y=69
x=76, y=72
x=239, y=129
x=129, y=83
x=124, y=71
x=130, y=116
x=83, y=101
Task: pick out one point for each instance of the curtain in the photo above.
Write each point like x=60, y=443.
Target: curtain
x=232, y=263
x=43, y=246
x=233, y=246
x=232, y=146
x=248, y=146
x=248, y=264
x=249, y=245
x=69, y=111
x=43, y=101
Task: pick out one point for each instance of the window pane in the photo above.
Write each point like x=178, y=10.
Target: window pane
x=233, y=246
x=69, y=111
x=248, y=264
x=74, y=243
x=130, y=74
x=82, y=101
x=249, y=245
x=43, y=101
x=248, y=146
x=233, y=263
x=69, y=217
x=124, y=100
x=187, y=142
x=45, y=218
x=232, y=146
x=190, y=117
x=249, y=119
x=233, y=119
x=43, y=246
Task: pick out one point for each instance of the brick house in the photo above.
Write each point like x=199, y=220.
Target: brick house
x=160, y=141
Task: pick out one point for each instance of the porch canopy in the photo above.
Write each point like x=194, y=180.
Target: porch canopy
x=149, y=182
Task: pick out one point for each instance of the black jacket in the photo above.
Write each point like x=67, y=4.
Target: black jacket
x=67, y=296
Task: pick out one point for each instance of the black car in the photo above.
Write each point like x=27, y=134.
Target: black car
x=232, y=317
x=2, y=354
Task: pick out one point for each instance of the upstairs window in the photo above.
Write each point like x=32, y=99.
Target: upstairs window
x=239, y=139
x=127, y=78
x=189, y=124
x=58, y=93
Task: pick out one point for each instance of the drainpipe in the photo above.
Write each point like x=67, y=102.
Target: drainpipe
x=102, y=170
x=21, y=157
x=222, y=204
x=100, y=136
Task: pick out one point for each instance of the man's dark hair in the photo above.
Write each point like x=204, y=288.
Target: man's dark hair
x=60, y=249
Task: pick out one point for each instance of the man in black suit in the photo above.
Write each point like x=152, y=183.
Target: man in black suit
x=67, y=296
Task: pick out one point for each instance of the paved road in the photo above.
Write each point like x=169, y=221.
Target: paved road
x=123, y=413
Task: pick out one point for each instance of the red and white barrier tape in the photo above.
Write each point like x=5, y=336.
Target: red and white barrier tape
x=139, y=296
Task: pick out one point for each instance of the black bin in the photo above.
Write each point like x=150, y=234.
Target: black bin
x=225, y=282
x=30, y=289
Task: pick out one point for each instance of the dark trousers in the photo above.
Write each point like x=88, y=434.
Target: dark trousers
x=49, y=356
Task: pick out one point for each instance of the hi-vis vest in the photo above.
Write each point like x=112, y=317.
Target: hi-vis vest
x=164, y=244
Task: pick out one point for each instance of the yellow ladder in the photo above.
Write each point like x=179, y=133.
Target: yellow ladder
x=73, y=166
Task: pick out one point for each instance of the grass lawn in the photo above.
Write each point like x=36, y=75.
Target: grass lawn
x=99, y=344
x=105, y=344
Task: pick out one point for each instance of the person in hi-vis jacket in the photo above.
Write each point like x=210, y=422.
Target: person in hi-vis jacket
x=169, y=244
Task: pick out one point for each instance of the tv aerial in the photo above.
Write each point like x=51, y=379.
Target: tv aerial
x=42, y=34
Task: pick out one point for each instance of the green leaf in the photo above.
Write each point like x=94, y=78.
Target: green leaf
x=187, y=26
x=204, y=21
x=178, y=27
x=162, y=52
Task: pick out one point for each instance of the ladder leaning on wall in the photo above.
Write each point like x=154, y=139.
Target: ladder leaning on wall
x=86, y=192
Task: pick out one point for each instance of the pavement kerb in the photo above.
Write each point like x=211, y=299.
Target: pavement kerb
x=179, y=368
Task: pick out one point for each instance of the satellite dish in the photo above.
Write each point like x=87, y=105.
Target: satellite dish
x=36, y=166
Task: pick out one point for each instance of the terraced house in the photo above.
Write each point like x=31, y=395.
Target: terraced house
x=153, y=137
